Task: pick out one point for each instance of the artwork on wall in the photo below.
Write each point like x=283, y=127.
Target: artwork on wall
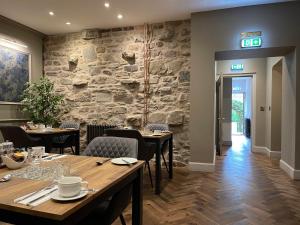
x=14, y=74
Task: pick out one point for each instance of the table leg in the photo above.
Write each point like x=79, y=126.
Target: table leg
x=137, y=199
x=48, y=144
x=171, y=157
x=77, y=143
x=157, y=168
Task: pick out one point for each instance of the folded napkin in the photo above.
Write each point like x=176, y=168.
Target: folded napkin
x=36, y=198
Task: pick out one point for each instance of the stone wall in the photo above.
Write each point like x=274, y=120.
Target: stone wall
x=101, y=74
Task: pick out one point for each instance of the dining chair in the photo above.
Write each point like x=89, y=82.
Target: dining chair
x=19, y=137
x=145, y=150
x=65, y=141
x=164, y=146
x=112, y=147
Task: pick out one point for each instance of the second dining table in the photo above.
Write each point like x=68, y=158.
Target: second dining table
x=158, y=140
x=47, y=134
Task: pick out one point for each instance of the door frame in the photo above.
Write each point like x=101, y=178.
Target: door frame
x=253, y=100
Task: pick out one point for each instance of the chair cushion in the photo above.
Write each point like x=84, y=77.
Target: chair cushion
x=112, y=147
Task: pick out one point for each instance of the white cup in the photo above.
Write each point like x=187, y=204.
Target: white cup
x=70, y=186
x=157, y=132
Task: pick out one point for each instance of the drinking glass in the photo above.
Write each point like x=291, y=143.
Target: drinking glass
x=35, y=154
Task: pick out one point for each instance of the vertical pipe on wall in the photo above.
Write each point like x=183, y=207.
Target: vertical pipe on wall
x=148, y=35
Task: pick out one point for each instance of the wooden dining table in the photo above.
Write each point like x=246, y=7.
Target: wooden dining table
x=47, y=134
x=106, y=179
x=158, y=140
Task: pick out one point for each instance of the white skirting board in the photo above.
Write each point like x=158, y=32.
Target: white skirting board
x=266, y=151
x=201, y=167
x=294, y=174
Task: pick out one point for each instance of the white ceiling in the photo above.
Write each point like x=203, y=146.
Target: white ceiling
x=92, y=14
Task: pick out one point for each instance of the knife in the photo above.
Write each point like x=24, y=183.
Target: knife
x=42, y=196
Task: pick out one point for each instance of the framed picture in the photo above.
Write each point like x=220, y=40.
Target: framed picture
x=14, y=74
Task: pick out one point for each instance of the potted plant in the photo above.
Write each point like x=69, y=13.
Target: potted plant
x=41, y=102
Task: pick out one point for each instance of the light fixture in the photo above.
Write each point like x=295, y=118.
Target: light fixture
x=106, y=4
x=120, y=16
x=68, y=23
x=51, y=13
x=8, y=43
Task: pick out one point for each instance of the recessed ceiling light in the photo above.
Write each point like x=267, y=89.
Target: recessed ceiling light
x=68, y=23
x=120, y=16
x=51, y=13
x=106, y=4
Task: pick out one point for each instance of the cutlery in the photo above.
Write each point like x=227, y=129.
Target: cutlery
x=99, y=163
x=128, y=163
x=52, y=157
x=42, y=196
x=35, y=192
x=7, y=177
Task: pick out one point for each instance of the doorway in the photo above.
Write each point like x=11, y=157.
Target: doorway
x=234, y=110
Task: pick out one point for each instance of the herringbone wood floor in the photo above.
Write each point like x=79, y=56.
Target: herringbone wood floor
x=246, y=188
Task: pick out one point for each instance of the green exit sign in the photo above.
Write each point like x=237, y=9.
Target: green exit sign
x=254, y=42
x=235, y=67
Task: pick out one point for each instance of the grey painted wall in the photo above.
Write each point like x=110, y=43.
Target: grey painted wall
x=276, y=107
x=33, y=40
x=220, y=31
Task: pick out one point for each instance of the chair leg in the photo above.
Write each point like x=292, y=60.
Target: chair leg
x=72, y=150
x=122, y=219
x=165, y=162
x=61, y=151
x=149, y=170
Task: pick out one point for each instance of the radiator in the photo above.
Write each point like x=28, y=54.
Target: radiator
x=93, y=131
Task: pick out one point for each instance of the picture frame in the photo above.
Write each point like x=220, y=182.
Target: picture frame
x=15, y=72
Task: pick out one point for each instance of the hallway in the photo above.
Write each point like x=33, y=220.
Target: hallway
x=246, y=188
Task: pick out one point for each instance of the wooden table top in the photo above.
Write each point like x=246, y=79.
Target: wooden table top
x=50, y=131
x=99, y=177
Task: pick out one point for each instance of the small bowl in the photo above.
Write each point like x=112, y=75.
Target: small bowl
x=12, y=164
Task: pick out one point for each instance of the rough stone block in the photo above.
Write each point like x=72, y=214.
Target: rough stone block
x=119, y=110
x=158, y=117
x=65, y=81
x=157, y=67
x=184, y=76
x=167, y=35
x=165, y=90
x=104, y=96
x=130, y=83
x=176, y=118
x=123, y=96
x=131, y=68
x=135, y=121
x=89, y=53
x=90, y=34
x=80, y=83
x=95, y=70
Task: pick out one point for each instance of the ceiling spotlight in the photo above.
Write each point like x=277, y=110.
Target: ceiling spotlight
x=106, y=4
x=51, y=13
x=120, y=16
x=68, y=23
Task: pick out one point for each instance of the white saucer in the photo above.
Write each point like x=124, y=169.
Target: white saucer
x=55, y=196
x=120, y=161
